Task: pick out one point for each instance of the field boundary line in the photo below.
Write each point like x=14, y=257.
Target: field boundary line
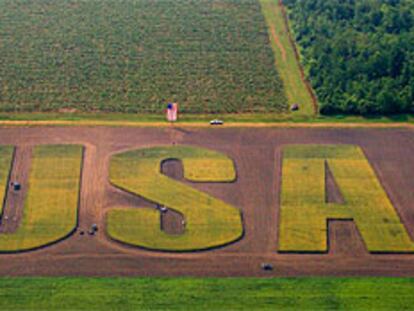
x=21, y=123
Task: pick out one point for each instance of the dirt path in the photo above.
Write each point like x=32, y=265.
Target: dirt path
x=13, y=208
x=172, y=221
x=332, y=192
x=176, y=132
x=277, y=41
x=257, y=155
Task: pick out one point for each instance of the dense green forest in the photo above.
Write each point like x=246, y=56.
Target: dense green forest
x=359, y=55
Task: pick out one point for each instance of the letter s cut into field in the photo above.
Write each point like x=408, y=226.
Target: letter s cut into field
x=210, y=222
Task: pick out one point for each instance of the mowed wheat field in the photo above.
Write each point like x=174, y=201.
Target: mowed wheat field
x=211, y=56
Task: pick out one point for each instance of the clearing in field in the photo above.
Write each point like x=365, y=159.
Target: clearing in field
x=51, y=205
x=304, y=211
x=135, y=55
x=287, y=61
x=209, y=221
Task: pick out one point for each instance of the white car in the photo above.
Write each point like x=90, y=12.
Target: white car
x=216, y=122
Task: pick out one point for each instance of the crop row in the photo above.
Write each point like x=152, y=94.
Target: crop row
x=135, y=55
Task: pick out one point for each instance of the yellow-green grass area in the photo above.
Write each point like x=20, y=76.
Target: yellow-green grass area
x=286, y=60
x=6, y=158
x=51, y=203
x=304, y=213
x=210, y=222
x=218, y=294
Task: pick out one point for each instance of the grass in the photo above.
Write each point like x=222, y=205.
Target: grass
x=136, y=55
x=245, y=119
x=6, y=158
x=51, y=205
x=286, y=60
x=304, y=211
x=206, y=294
x=209, y=222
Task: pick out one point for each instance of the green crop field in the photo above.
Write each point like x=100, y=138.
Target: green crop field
x=135, y=55
x=304, y=211
x=51, y=205
x=6, y=158
x=206, y=294
x=209, y=222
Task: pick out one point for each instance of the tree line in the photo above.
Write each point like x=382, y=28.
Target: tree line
x=358, y=55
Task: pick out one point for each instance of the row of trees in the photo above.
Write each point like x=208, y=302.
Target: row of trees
x=359, y=55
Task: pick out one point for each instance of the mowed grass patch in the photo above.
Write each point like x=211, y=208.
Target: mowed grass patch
x=210, y=222
x=51, y=203
x=6, y=158
x=206, y=294
x=304, y=212
x=136, y=55
x=287, y=63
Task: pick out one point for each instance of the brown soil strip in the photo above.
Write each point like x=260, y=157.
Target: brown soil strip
x=120, y=124
x=332, y=192
x=14, y=203
x=173, y=168
x=345, y=240
x=172, y=222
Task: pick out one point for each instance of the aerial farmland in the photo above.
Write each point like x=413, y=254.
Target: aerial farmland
x=159, y=155
x=133, y=56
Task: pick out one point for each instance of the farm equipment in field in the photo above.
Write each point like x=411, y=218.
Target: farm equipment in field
x=294, y=107
x=93, y=229
x=162, y=208
x=266, y=266
x=16, y=186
